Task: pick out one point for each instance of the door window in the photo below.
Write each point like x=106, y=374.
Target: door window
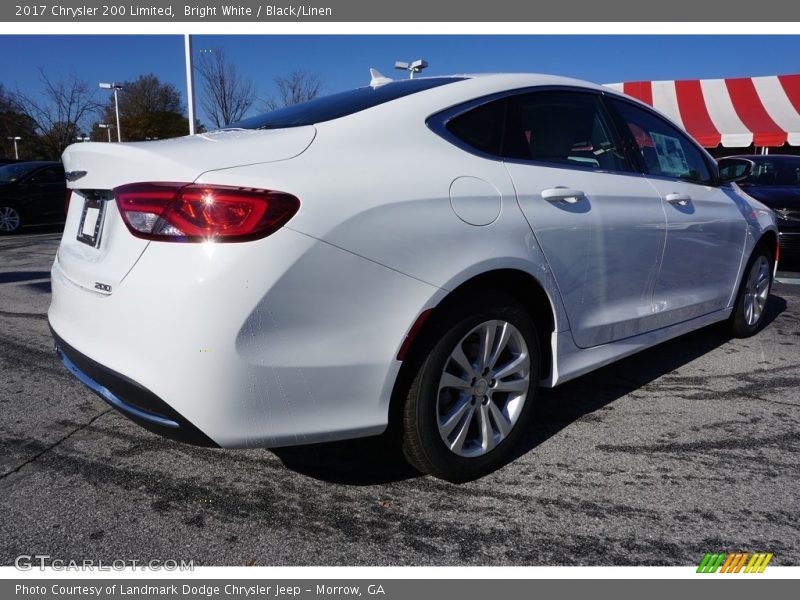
x=665, y=151
x=563, y=128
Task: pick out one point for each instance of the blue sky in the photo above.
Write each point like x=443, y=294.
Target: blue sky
x=343, y=61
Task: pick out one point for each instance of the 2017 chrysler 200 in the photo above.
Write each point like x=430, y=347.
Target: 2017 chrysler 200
x=424, y=252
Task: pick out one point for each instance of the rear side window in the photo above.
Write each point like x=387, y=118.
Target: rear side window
x=482, y=127
x=665, y=151
x=327, y=108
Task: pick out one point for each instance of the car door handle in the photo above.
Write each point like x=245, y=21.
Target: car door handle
x=562, y=195
x=679, y=199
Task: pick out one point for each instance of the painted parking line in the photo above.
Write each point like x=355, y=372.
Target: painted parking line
x=788, y=280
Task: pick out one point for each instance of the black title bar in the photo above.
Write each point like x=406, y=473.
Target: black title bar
x=458, y=11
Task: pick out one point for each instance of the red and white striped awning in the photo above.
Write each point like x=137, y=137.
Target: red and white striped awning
x=764, y=111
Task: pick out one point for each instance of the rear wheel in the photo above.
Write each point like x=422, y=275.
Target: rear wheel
x=472, y=396
x=10, y=219
x=748, y=313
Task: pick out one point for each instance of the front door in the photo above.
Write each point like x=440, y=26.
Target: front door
x=705, y=227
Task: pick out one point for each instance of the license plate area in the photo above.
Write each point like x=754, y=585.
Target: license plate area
x=91, y=224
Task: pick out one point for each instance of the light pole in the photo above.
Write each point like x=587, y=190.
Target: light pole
x=414, y=67
x=16, y=138
x=116, y=87
x=108, y=127
x=187, y=49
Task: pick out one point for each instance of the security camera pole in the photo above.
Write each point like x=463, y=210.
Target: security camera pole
x=414, y=67
x=116, y=87
x=16, y=138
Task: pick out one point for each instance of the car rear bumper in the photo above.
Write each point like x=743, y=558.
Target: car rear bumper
x=283, y=341
x=131, y=399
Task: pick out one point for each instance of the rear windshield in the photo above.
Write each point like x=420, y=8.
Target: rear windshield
x=327, y=108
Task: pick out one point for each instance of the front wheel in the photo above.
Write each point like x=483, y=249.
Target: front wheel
x=10, y=220
x=473, y=394
x=748, y=313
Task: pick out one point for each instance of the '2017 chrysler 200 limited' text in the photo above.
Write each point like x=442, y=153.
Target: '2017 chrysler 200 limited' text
x=426, y=252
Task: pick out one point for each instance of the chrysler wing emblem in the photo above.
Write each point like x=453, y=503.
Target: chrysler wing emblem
x=74, y=175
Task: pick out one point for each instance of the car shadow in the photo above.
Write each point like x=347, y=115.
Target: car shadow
x=361, y=462
x=378, y=460
x=47, y=228
x=18, y=276
x=561, y=406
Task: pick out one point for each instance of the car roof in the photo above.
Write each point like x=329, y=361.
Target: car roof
x=475, y=85
x=503, y=81
x=773, y=157
x=36, y=163
x=484, y=84
x=407, y=98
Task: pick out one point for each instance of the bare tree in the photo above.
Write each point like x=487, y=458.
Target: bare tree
x=226, y=95
x=297, y=87
x=65, y=106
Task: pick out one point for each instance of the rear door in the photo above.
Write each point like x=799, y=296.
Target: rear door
x=705, y=228
x=45, y=192
x=599, y=223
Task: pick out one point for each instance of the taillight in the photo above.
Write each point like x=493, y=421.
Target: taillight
x=66, y=200
x=185, y=212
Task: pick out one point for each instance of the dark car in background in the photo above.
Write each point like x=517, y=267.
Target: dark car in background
x=31, y=193
x=775, y=181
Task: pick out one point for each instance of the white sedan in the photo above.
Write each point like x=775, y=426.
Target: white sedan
x=422, y=254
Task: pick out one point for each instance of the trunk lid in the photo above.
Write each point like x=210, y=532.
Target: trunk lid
x=97, y=251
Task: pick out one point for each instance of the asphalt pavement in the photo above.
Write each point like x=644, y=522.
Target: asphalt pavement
x=689, y=447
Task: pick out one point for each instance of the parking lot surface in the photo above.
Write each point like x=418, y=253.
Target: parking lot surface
x=689, y=447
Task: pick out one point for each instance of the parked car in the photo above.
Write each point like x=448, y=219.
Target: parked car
x=423, y=254
x=31, y=193
x=775, y=181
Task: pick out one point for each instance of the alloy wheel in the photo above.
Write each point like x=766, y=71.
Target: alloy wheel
x=756, y=291
x=483, y=388
x=9, y=219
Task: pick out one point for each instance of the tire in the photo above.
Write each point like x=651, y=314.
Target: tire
x=463, y=417
x=750, y=308
x=10, y=220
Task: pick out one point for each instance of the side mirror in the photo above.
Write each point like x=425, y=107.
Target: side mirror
x=734, y=169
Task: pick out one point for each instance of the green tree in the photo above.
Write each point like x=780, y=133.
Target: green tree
x=148, y=109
